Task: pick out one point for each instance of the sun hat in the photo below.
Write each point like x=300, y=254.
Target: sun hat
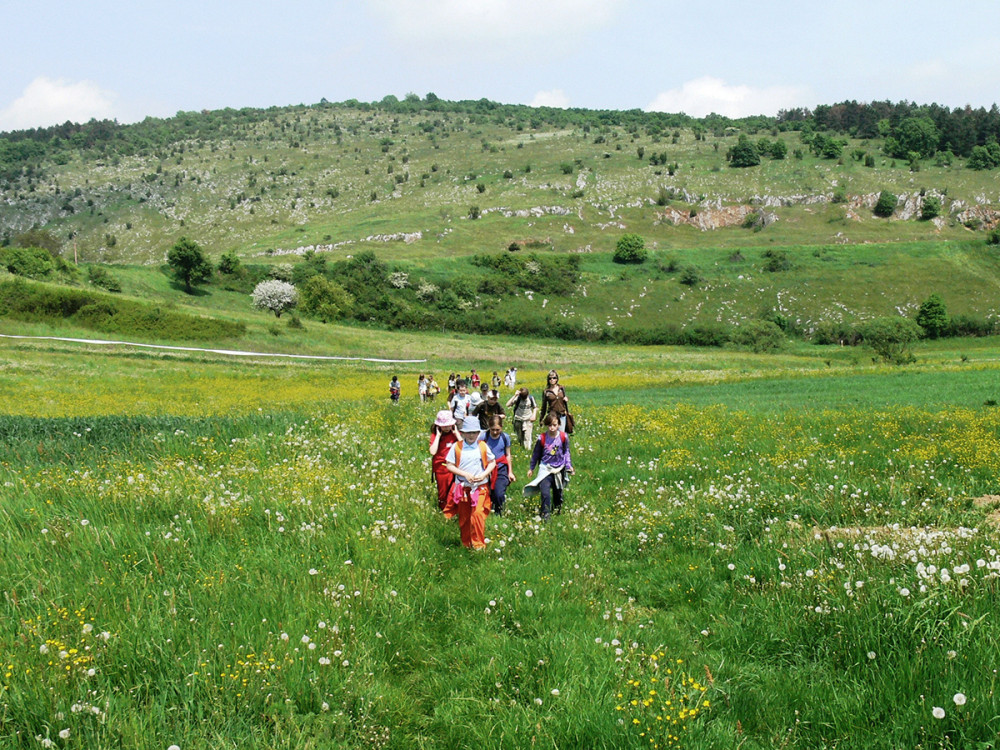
x=444, y=419
x=471, y=424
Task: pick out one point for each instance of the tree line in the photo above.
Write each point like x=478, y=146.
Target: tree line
x=935, y=127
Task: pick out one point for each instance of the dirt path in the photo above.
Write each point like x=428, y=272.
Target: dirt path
x=229, y=352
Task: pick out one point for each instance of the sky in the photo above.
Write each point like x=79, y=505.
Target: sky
x=75, y=61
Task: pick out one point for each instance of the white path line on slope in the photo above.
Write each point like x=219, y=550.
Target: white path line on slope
x=230, y=352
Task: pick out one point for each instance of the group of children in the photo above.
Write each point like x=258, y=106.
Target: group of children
x=471, y=458
x=428, y=388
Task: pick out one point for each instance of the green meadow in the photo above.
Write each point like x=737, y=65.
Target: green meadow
x=768, y=542
x=793, y=550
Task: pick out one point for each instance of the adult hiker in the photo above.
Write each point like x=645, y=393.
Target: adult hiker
x=555, y=401
x=525, y=412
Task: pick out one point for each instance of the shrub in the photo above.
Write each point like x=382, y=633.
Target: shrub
x=743, y=154
x=776, y=260
x=32, y=262
x=24, y=300
x=630, y=248
x=274, y=295
x=829, y=332
x=188, y=262
x=931, y=208
x=886, y=204
x=324, y=299
x=758, y=336
x=890, y=338
x=229, y=263
x=689, y=276
x=99, y=276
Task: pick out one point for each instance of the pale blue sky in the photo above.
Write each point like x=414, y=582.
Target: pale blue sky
x=73, y=61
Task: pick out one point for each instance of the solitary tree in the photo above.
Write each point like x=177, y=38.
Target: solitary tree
x=933, y=316
x=743, y=154
x=276, y=296
x=189, y=263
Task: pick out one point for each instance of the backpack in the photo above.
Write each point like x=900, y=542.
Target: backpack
x=562, y=439
x=529, y=398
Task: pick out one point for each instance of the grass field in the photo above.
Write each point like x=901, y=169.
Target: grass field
x=795, y=550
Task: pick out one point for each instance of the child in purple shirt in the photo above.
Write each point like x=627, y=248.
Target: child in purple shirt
x=551, y=455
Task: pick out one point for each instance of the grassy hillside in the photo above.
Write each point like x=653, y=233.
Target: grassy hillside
x=344, y=177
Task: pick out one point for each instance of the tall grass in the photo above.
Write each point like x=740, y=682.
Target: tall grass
x=723, y=574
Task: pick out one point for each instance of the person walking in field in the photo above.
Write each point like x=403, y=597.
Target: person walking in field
x=422, y=388
x=554, y=401
x=461, y=403
x=474, y=379
x=489, y=408
x=443, y=436
x=525, y=412
x=495, y=381
x=551, y=456
x=433, y=389
x=472, y=463
x=394, y=390
x=498, y=442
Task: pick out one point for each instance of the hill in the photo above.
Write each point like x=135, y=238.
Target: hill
x=412, y=186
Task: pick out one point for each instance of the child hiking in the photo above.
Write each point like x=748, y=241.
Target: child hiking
x=498, y=442
x=472, y=463
x=551, y=456
x=443, y=436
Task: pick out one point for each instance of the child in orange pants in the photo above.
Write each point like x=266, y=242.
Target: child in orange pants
x=472, y=463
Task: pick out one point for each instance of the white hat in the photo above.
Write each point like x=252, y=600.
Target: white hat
x=471, y=424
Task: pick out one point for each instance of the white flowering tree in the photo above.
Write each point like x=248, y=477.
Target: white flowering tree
x=276, y=296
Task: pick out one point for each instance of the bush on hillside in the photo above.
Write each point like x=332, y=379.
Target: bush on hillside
x=630, y=248
x=933, y=316
x=100, y=277
x=743, y=154
x=931, y=208
x=886, y=204
x=30, y=262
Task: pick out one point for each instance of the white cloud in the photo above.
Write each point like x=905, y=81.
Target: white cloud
x=706, y=95
x=553, y=98
x=47, y=102
x=494, y=20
